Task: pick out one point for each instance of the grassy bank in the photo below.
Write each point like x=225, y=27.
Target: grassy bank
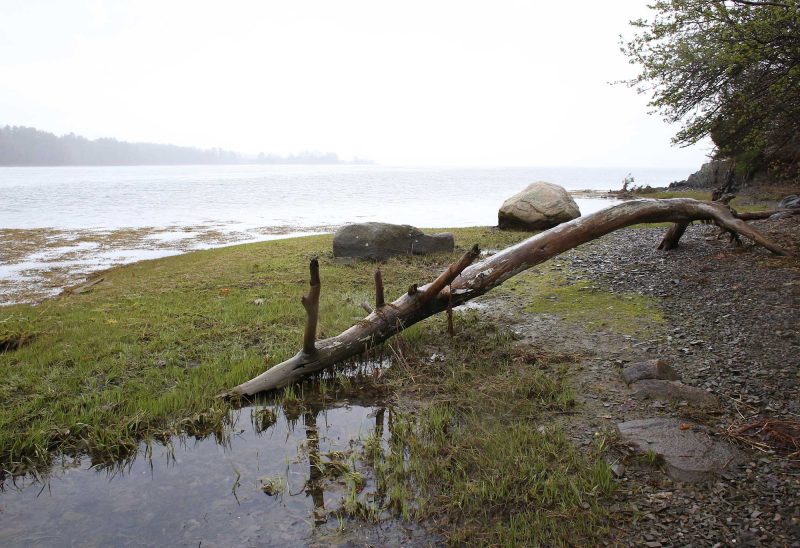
x=146, y=351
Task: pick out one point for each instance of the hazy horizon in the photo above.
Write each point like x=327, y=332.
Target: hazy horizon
x=244, y=160
x=450, y=84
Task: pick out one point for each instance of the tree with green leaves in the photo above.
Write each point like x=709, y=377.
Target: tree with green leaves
x=729, y=69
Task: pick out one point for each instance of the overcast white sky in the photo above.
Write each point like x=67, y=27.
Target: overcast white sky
x=401, y=83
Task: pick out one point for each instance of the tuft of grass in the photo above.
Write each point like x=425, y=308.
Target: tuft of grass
x=272, y=485
x=15, y=332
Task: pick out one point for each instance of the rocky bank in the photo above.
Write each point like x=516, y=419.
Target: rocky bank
x=730, y=329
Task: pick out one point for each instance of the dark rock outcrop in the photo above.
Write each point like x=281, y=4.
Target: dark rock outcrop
x=379, y=241
x=712, y=175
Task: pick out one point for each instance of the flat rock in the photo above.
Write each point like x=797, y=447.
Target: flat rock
x=650, y=369
x=689, y=453
x=540, y=206
x=790, y=202
x=379, y=241
x=656, y=389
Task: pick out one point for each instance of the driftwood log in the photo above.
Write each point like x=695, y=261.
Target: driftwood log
x=463, y=281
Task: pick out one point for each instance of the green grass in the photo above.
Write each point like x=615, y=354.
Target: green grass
x=550, y=291
x=146, y=351
x=696, y=194
x=472, y=456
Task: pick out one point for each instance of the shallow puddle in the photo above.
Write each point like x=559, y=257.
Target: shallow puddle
x=211, y=491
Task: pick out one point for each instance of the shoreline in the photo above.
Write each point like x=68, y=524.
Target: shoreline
x=41, y=263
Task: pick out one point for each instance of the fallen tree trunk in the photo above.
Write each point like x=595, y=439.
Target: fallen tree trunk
x=462, y=282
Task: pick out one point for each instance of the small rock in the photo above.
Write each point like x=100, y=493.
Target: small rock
x=790, y=202
x=618, y=469
x=690, y=455
x=650, y=369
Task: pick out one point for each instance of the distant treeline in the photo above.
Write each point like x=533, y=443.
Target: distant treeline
x=25, y=146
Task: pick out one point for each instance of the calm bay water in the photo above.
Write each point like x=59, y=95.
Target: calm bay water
x=294, y=197
x=83, y=219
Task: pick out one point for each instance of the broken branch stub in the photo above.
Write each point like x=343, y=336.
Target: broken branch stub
x=311, y=304
x=379, y=298
x=468, y=281
x=444, y=279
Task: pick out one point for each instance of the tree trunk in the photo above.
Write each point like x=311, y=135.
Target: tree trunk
x=462, y=282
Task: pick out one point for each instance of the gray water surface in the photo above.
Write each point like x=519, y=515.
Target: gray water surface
x=296, y=197
x=203, y=492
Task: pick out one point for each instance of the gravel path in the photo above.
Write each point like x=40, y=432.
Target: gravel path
x=734, y=316
x=732, y=321
x=731, y=328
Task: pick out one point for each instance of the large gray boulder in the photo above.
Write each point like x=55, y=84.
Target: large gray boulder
x=539, y=207
x=379, y=241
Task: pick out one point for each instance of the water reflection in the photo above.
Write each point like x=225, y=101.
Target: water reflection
x=210, y=490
